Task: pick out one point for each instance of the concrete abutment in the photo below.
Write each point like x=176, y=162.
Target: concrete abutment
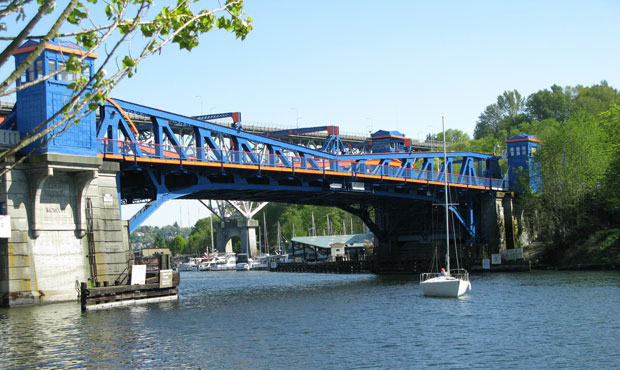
x=65, y=228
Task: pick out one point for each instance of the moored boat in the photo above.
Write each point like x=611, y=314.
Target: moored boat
x=448, y=283
x=225, y=262
x=437, y=285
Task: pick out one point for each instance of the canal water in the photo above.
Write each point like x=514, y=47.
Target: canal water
x=263, y=320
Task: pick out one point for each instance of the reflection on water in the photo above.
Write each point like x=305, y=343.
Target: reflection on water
x=283, y=320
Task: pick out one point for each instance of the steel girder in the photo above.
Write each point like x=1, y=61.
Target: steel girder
x=169, y=156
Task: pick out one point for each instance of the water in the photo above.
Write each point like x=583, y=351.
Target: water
x=263, y=320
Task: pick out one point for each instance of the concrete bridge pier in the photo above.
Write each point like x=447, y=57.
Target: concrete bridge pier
x=65, y=228
x=244, y=229
x=408, y=233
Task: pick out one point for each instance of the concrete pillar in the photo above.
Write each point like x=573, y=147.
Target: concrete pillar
x=245, y=230
x=49, y=251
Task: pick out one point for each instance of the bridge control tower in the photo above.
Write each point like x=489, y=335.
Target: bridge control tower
x=62, y=201
x=521, y=167
x=42, y=102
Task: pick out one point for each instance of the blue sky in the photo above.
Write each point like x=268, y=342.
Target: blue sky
x=369, y=65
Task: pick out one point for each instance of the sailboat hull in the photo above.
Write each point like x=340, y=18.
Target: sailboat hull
x=444, y=287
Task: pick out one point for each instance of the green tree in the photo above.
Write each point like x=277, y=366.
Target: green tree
x=200, y=236
x=556, y=103
x=126, y=33
x=178, y=245
x=508, y=105
x=573, y=161
x=597, y=98
x=159, y=242
x=610, y=190
x=301, y=217
x=452, y=136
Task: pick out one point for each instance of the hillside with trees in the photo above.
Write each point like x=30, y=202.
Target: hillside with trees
x=575, y=215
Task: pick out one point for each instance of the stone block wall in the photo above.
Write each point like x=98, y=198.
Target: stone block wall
x=48, y=254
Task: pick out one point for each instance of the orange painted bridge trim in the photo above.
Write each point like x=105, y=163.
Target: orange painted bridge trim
x=281, y=169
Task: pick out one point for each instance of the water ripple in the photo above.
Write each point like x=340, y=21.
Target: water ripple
x=262, y=320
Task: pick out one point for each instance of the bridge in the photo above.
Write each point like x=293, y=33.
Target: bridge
x=65, y=199
x=174, y=156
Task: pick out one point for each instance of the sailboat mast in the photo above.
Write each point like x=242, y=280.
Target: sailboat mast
x=445, y=188
x=212, y=247
x=265, y=228
x=279, y=246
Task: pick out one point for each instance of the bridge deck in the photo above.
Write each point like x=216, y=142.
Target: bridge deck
x=348, y=166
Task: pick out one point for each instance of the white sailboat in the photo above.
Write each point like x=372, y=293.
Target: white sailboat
x=447, y=283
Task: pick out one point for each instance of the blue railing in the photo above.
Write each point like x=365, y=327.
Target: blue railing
x=354, y=167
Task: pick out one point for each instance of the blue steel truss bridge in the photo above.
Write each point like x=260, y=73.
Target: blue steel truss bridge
x=166, y=156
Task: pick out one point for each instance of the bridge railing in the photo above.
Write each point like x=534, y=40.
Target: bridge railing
x=132, y=151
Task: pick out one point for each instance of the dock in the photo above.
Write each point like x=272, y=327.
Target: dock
x=158, y=287
x=336, y=267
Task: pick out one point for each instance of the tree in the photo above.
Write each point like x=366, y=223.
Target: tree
x=301, y=216
x=159, y=242
x=597, y=98
x=177, y=245
x=452, y=136
x=611, y=186
x=556, y=103
x=200, y=236
x=573, y=161
x=508, y=105
x=129, y=24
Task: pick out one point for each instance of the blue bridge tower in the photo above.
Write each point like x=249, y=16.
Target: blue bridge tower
x=41, y=102
x=521, y=167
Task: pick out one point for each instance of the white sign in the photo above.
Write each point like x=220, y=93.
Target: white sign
x=138, y=274
x=496, y=259
x=512, y=254
x=357, y=185
x=108, y=200
x=486, y=264
x=165, y=278
x=5, y=226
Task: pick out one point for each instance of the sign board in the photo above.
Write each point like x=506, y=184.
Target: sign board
x=274, y=264
x=512, y=254
x=138, y=274
x=496, y=259
x=108, y=200
x=5, y=226
x=486, y=264
x=357, y=185
x=165, y=278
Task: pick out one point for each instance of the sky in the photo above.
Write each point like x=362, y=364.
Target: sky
x=370, y=65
